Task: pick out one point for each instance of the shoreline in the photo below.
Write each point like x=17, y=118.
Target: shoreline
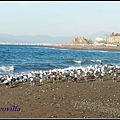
x=74, y=47
x=88, y=47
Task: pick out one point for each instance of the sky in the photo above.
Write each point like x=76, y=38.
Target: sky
x=59, y=18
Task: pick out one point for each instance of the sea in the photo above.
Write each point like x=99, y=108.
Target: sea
x=15, y=59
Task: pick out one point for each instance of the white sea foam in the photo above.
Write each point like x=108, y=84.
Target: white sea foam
x=63, y=49
x=96, y=61
x=69, y=68
x=78, y=61
x=7, y=68
x=103, y=51
x=53, y=48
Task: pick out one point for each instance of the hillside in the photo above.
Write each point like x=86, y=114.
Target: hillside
x=7, y=38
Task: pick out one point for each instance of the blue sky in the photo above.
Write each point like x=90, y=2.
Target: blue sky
x=59, y=18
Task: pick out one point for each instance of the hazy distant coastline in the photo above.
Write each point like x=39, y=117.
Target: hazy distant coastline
x=9, y=38
x=68, y=46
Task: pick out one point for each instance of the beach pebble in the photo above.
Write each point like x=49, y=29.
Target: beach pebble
x=51, y=104
x=43, y=90
x=58, y=105
x=6, y=102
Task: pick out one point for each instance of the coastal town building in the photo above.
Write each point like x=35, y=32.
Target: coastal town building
x=100, y=40
x=114, y=38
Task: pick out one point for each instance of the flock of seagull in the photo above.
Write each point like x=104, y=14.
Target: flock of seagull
x=97, y=72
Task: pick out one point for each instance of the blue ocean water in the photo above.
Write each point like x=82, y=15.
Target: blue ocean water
x=24, y=58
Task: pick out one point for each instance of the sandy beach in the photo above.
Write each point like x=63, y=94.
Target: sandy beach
x=94, y=99
x=89, y=47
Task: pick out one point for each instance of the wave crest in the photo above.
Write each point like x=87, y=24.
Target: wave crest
x=78, y=61
x=7, y=68
x=96, y=61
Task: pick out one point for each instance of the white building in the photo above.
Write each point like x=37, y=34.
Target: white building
x=98, y=39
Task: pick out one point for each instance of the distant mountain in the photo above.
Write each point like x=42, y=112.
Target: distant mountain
x=98, y=34
x=7, y=38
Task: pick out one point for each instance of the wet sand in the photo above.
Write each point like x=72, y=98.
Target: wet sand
x=94, y=99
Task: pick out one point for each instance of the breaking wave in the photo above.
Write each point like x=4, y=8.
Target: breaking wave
x=78, y=61
x=99, y=61
x=6, y=68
